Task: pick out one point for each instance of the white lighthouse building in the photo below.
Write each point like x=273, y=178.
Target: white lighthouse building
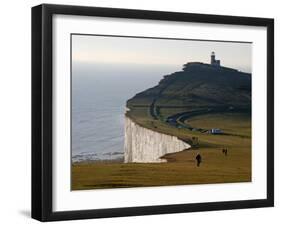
x=215, y=62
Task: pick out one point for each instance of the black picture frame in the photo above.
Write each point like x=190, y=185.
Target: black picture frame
x=42, y=107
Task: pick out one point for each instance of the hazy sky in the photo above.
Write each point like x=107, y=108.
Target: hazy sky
x=145, y=51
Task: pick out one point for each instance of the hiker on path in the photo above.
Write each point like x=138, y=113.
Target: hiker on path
x=198, y=159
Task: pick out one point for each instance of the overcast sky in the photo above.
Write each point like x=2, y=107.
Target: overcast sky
x=145, y=51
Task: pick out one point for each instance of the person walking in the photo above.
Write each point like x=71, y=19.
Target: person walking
x=198, y=159
x=224, y=151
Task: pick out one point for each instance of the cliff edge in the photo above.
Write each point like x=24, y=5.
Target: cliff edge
x=145, y=145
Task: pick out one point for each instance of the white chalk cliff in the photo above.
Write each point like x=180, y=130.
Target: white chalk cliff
x=145, y=145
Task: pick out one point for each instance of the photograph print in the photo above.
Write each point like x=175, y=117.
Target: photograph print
x=159, y=112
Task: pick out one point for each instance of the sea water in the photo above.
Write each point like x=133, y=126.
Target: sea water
x=99, y=95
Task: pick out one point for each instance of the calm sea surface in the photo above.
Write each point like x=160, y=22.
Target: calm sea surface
x=99, y=95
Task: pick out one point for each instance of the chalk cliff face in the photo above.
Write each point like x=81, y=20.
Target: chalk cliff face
x=144, y=145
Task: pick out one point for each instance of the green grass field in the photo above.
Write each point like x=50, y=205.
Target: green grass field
x=181, y=167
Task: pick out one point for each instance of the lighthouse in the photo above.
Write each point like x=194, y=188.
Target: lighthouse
x=214, y=62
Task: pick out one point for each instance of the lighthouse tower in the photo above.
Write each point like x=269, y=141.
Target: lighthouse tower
x=214, y=62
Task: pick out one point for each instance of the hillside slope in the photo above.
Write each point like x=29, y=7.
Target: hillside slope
x=199, y=85
x=198, y=90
